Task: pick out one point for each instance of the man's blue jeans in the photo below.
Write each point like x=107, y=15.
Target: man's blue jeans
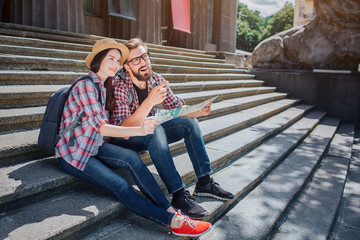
x=98, y=173
x=158, y=146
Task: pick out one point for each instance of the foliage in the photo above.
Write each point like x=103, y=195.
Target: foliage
x=282, y=20
x=252, y=28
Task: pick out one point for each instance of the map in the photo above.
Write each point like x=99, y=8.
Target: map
x=163, y=115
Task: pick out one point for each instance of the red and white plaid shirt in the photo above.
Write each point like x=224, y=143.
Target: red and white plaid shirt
x=127, y=100
x=83, y=97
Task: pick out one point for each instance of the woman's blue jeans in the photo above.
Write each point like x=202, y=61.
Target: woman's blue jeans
x=158, y=146
x=98, y=173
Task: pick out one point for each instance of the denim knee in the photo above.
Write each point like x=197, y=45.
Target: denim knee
x=159, y=138
x=192, y=125
x=137, y=164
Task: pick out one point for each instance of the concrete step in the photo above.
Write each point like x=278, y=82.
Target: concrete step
x=181, y=77
x=87, y=43
x=26, y=95
x=240, y=176
x=38, y=95
x=60, y=216
x=51, y=180
x=341, y=145
x=321, y=200
x=347, y=224
x=21, y=77
x=156, y=58
x=191, y=63
x=21, y=118
x=227, y=148
x=12, y=29
x=196, y=97
x=52, y=46
x=27, y=118
x=184, y=69
x=212, y=85
x=256, y=214
x=73, y=213
x=22, y=62
x=22, y=145
x=13, y=77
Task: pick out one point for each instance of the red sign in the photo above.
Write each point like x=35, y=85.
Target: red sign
x=181, y=15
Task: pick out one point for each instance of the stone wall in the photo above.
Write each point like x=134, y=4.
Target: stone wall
x=337, y=94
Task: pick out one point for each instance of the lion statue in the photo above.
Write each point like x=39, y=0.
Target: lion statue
x=330, y=41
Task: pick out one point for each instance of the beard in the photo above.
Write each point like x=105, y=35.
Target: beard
x=143, y=76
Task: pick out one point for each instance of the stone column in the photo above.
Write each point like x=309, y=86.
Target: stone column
x=227, y=30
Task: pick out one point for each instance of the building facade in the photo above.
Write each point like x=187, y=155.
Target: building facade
x=304, y=12
x=213, y=22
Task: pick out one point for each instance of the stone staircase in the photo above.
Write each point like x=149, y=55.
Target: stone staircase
x=285, y=161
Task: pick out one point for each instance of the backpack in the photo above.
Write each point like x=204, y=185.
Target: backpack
x=49, y=134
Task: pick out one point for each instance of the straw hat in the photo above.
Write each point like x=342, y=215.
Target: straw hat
x=107, y=43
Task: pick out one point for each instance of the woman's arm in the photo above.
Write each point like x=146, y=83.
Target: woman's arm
x=148, y=127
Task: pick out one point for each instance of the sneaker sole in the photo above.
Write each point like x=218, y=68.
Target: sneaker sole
x=192, y=235
x=194, y=218
x=211, y=195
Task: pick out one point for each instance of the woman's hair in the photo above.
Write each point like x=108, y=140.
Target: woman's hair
x=95, y=66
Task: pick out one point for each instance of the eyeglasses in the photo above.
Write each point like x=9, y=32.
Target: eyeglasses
x=136, y=60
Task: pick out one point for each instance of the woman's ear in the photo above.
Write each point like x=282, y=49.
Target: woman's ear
x=127, y=67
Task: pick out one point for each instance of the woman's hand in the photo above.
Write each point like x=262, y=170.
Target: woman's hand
x=149, y=125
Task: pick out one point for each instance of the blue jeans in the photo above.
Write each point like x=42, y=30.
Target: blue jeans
x=158, y=146
x=98, y=173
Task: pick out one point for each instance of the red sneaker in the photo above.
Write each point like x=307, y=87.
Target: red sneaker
x=191, y=228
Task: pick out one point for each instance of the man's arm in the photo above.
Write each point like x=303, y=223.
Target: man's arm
x=202, y=112
x=156, y=96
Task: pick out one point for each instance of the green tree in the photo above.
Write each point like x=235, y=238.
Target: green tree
x=282, y=20
x=252, y=28
x=249, y=28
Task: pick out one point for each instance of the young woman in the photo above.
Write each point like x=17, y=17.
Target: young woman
x=85, y=153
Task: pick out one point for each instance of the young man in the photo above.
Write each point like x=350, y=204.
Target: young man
x=137, y=91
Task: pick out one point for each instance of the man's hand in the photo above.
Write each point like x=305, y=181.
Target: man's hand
x=157, y=94
x=202, y=112
x=205, y=111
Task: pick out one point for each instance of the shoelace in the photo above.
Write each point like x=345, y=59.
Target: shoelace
x=216, y=187
x=187, y=220
x=189, y=198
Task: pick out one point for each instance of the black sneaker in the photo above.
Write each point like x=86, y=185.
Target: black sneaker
x=186, y=203
x=212, y=189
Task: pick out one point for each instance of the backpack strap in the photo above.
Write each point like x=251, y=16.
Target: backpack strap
x=78, y=120
x=121, y=74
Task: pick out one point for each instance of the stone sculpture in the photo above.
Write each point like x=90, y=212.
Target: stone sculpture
x=330, y=41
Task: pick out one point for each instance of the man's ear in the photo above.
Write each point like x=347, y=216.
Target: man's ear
x=128, y=69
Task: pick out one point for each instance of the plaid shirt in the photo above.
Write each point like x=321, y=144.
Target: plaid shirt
x=127, y=100
x=83, y=97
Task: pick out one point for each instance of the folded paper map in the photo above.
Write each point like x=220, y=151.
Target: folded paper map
x=163, y=115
